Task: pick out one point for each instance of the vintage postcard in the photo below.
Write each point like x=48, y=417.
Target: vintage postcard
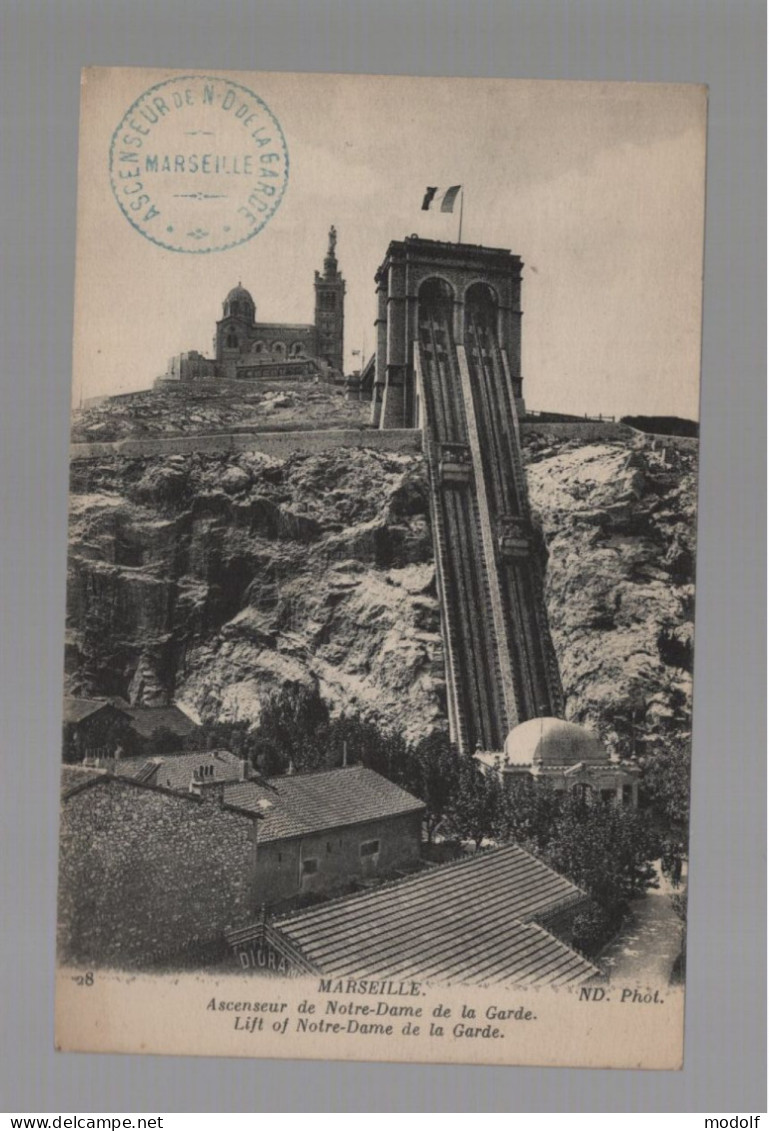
x=378, y=673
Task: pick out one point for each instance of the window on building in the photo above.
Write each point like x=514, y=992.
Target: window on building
x=309, y=866
x=627, y=794
x=232, y=340
x=327, y=300
x=328, y=846
x=607, y=794
x=369, y=848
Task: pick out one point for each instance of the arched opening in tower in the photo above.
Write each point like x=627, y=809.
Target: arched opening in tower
x=435, y=304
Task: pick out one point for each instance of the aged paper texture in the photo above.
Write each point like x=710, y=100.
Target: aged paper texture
x=377, y=716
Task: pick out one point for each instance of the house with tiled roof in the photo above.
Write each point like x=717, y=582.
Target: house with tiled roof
x=148, y=721
x=183, y=771
x=320, y=830
x=93, y=728
x=317, y=831
x=158, y=855
x=98, y=729
x=498, y=917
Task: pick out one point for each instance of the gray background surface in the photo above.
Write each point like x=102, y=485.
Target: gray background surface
x=719, y=43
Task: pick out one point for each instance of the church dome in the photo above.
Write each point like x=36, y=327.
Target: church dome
x=239, y=302
x=552, y=742
x=239, y=292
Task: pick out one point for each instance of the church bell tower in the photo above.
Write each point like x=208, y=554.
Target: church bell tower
x=329, y=308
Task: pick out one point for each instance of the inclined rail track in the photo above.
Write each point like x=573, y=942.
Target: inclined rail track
x=471, y=638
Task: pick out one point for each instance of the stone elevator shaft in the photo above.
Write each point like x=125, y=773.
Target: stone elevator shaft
x=448, y=362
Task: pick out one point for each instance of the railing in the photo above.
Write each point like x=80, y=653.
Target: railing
x=566, y=418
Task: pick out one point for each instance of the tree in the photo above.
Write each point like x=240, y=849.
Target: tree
x=604, y=848
x=365, y=742
x=432, y=775
x=666, y=781
x=527, y=813
x=163, y=740
x=233, y=736
x=665, y=791
x=679, y=903
x=474, y=812
x=288, y=731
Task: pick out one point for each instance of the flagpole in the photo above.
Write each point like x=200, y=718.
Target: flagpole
x=461, y=207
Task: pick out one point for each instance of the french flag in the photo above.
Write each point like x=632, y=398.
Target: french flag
x=446, y=197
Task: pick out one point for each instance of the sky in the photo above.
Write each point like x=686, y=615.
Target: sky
x=598, y=187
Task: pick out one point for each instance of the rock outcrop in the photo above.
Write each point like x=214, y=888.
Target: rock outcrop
x=619, y=524
x=214, y=580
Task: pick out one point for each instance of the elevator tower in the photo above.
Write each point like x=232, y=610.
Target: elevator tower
x=448, y=361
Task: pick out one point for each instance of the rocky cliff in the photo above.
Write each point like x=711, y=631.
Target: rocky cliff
x=214, y=580
x=619, y=522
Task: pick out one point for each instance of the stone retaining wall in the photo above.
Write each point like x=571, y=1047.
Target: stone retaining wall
x=278, y=444
x=577, y=429
x=656, y=440
x=283, y=444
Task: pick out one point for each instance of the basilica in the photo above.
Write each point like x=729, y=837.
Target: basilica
x=246, y=350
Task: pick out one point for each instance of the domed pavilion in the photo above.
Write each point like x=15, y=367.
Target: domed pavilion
x=569, y=756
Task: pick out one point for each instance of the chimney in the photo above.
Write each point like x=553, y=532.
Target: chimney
x=344, y=753
x=211, y=790
x=244, y=769
x=291, y=768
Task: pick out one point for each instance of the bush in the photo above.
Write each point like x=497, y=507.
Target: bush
x=593, y=928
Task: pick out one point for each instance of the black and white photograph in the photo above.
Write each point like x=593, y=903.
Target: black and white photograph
x=380, y=589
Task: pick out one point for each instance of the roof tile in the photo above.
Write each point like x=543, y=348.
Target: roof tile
x=470, y=922
x=75, y=710
x=302, y=804
x=146, y=720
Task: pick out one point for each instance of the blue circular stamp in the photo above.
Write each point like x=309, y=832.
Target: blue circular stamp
x=198, y=164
